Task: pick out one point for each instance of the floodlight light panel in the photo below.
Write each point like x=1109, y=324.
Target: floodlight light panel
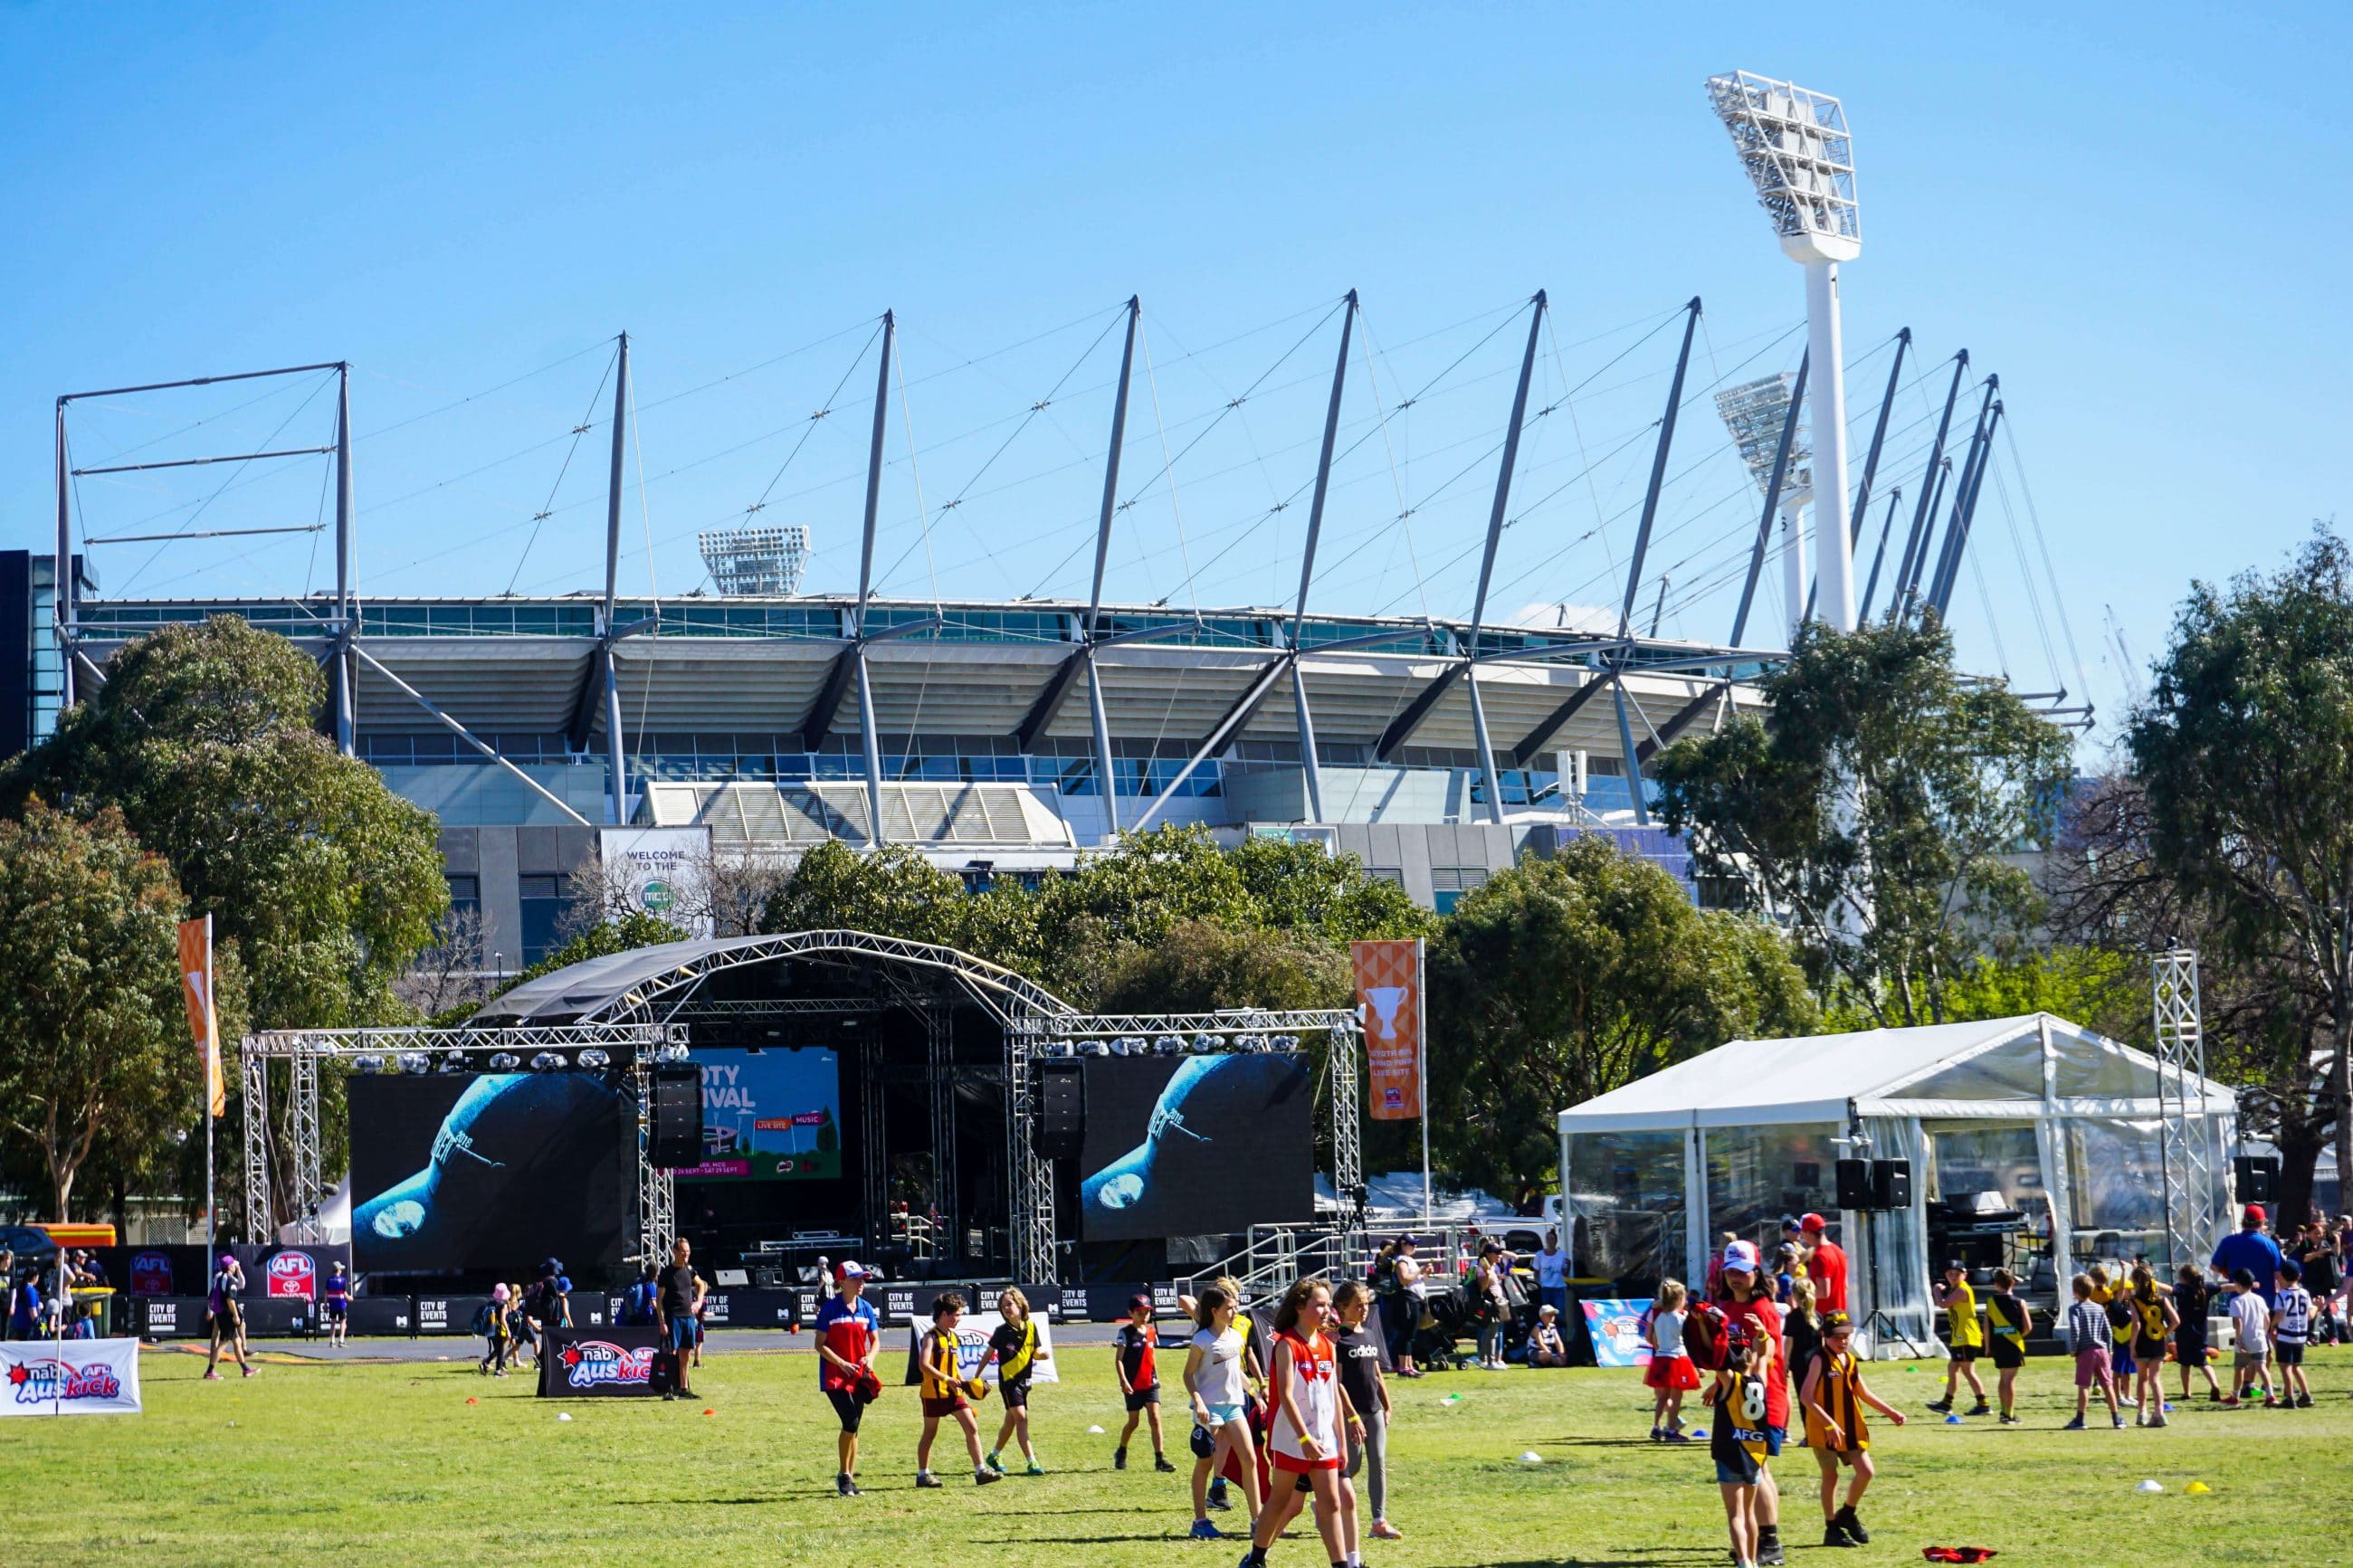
x=1795, y=146
x=766, y=560
x=1754, y=412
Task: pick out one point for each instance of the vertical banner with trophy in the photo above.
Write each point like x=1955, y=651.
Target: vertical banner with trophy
x=1389, y=999
x=204, y=1023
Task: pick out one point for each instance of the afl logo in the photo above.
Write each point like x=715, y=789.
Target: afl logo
x=292, y=1274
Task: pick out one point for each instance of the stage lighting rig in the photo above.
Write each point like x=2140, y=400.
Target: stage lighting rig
x=414, y=1061
x=1795, y=147
x=1168, y=1046
x=1093, y=1049
x=1204, y=1044
x=1287, y=1044
x=547, y=1061
x=367, y=1064
x=596, y=1060
x=505, y=1061
x=1247, y=1042
x=453, y=1062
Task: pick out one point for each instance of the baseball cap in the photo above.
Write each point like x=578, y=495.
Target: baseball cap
x=1547, y=1310
x=2244, y=1276
x=1954, y=1266
x=852, y=1270
x=1740, y=1255
x=1139, y=1303
x=1812, y=1222
x=2255, y=1213
x=1791, y=1222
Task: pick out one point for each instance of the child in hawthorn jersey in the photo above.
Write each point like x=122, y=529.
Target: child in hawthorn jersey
x=2153, y=1323
x=2007, y=1322
x=947, y=1394
x=1833, y=1395
x=1310, y=1412
x=1016, y=1346
x=1738, y=1437
x=1135, y=1350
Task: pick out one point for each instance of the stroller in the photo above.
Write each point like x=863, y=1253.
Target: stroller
x=1446, y=1321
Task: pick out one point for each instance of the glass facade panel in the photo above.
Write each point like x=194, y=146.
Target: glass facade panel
x=1756, y=1176
x=1625, y=1197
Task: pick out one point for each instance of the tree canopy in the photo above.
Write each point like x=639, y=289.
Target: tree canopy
x=1563, y=979
x=97, y=1066
x=1877, y=811
x=2244, y=747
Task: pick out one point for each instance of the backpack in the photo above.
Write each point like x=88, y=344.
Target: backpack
x=1706, y=1332
x=483, y=1318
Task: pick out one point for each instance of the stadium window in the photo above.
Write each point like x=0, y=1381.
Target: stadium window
x=544, y=900
x=1387, y=874
x=465, y=893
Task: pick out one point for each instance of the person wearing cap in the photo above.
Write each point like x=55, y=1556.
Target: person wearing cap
x=1747, y=1300
x=848, y=1334
x=1546, y=1346
x=1825, y=1263
x=2251, y=1250
x=1965, y=1337
x=1135, y=1350
x=227, y=1317
x=1834, y=1395
x=2250, y=1328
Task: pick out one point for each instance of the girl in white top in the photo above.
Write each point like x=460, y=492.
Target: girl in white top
x=1217, y=1380
x=1670, y=1374
x=1310, y=1409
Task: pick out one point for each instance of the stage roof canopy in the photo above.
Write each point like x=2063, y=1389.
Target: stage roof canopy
x=2023, y=1068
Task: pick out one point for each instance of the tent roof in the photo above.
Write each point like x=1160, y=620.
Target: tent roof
x=564, y=994
x=1827, y=1078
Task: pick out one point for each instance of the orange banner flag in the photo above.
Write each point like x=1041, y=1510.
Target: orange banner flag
x=1388, y=989
x=204, y=1023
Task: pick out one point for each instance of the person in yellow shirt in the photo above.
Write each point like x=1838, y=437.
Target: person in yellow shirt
x=1833, y=1395
x=1966, y=1336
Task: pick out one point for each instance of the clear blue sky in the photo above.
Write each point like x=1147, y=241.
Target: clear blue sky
x=2138, y=217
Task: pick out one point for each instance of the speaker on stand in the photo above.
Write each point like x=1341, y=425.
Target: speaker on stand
x=675, y=1116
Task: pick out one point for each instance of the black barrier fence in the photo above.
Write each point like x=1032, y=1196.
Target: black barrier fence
x=184, y=1316
x=273, y=1272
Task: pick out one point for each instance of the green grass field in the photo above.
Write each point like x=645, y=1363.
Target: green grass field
x=389, y=1463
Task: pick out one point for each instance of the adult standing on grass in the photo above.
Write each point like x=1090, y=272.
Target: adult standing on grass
x=677, y=1297
x=1552, y=1274
x=1401, y=1306
x=549, y=1304
x=226, y=1316
x=1825, y=1264
x=848, y=1332
x=2251, y=1250
x=1747, y=1300
x=1491, y=1303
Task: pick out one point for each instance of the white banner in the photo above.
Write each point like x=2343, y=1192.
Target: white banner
x=69, y=1378
x=661, y=871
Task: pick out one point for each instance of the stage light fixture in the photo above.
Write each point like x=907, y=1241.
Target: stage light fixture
x=505, y=1061
x=595, y=1060
x=1288, y=1043
x=1249, y=1042
x=454, y=1062
x=367, y=1064
x=673, y=1053
x=547, y=1061
x=1095, y=1048
x=1204, y=1044
x=1168, y=1045
x=1058, y=1048
x=414, y=1061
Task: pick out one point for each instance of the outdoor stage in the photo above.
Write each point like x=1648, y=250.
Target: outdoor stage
x=862, y=1095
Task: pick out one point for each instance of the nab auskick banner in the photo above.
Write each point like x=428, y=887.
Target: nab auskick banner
x=69, y=1378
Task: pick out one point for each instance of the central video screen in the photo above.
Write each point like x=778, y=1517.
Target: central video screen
x=1195, y=1145
x=490, y=1172
x=771, y=1115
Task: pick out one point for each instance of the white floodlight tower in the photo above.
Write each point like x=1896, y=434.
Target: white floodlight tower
x=1795, y=146
x=1754, y=412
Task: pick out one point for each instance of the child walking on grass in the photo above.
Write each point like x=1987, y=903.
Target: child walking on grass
x=1738, y=1437
x=1015, y=1347
x=1671, y=1373
x=947, y=1396
x=1215, y=1385
x=2088, y=1335
x=1967, y=1338
x=1834, y=1395
x=2154, y=1321
x=1134, y=1351
x=2009, y=1320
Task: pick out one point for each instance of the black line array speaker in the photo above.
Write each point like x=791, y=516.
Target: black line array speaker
x=1891, y=1183
x=1062, y=1109
x=1854, y=1185
x=677, y=1117
x=2255, y=1178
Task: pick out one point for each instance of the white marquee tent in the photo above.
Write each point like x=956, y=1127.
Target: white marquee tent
x=2060, y=1120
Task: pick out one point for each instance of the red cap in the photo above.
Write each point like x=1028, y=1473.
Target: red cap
x=2255, y=1213
x=1811, y=1222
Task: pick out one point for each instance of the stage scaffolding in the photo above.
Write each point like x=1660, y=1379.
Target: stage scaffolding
x=647, y=1019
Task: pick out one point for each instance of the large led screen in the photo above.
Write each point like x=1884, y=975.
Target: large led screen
x=1192, y=1145
x=770, y=1115
x=490, y=1172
